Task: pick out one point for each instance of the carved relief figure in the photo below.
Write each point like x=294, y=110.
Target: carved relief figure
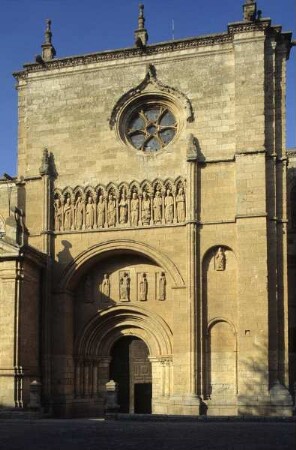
x=124, y=287
x=220, y=259
x=58, y=214
x=134, y=210
x=89, y=213
x=157, y=206
x=146, y=213
x=101, y=211
x=106, y=285
x=180, y=202
x=79, y=213
x=169, y=207
x=162, y=287
x=123, y=208
x=68, y=214
x=143, y=288
x=111, y=211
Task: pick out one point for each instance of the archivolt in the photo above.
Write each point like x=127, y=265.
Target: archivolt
x=115, y=247
x=109, y=325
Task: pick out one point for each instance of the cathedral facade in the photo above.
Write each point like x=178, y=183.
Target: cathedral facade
x=143, y=246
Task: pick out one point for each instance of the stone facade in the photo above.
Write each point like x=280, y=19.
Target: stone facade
x=156, y=217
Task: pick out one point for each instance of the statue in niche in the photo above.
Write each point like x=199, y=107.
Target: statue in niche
x=111, y=211
x=134, y=210
x=106, y=285
x=146, y=212
x=180, y=205
x=67, y=214
x=58, y=214
x=143, y=288
x=101, y=211
x=169, y=207
x=157, y=206
x=89, y=213
x=123, y=208
x=124, y=287
x=79, y=212
x=220, y=259
x=162, y=287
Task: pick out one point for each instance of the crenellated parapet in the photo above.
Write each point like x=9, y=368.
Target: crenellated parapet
x=160, y=202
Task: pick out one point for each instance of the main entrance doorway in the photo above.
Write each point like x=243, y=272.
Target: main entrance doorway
x=131, y=369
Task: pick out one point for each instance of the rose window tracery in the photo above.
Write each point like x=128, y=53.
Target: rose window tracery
x=151, y=128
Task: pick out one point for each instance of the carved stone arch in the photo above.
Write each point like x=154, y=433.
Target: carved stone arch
x=90, y=191
x=57, y=193
x=78, y=190
x=151, y=87
x=85, y=259
x=157, y=185
x=103, y=330
x=180, y=182
x=146, y=186
x=124, y=186
x=135, y=187
x=169, y=184
x=221, y=358
x=213, y=249
x=68, y=192
x=112, y=188
x=100, y=189
x=215, y=320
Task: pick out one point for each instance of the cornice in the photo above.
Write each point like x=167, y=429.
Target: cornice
x=263, y=25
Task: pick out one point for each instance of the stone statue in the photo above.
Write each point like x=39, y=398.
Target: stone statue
x=123, y=208
x=146, y=212
x=134, y=210
x=169, y=207
x=89, y=213
x=58, y=214
x=143, y=288
x=101, y=211
x=220, y=259
x=68, y=214
x=106, y=285
x=180, y=205
x=111, y=211
x=79, y=213
x=162, y=287
x=157, y=207
x=124, y=287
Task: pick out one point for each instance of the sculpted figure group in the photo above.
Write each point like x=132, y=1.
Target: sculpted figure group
x=94, y=210
x=125, y=287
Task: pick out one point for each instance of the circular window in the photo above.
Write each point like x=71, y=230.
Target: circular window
x=150, y=128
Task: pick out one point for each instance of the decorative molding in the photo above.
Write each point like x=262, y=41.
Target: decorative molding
x=150, y=85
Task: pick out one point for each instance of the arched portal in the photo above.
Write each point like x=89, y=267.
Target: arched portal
x=131, y=345
x=131, y=369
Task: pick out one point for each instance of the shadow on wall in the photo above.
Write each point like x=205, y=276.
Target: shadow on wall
x=260, y=392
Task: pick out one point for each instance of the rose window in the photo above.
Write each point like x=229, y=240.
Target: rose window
x=152, y=128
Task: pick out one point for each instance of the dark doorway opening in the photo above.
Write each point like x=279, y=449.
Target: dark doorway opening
x=131, y=369
x=143, y=394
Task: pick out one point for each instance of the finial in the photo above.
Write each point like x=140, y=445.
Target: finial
x=141, y=35
x=141, y=18
x=48, y=50
x=250, y=10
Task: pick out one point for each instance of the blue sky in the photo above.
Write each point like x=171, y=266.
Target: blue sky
x=84, y=26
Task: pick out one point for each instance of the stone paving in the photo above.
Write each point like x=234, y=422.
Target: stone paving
x=90, y=434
